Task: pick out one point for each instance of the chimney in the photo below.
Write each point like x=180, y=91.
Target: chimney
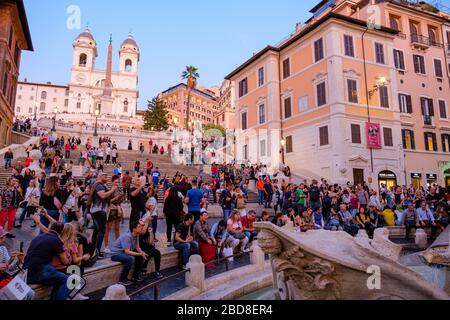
x=298, y=26
x=25, y=80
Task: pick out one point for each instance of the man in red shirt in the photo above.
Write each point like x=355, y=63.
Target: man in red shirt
x=150, y=144
x=149, y=167
x=247, y=223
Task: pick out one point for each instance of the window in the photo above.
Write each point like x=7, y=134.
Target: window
x=67, y=92
x=262, y=148
x=352, y=91
x=387, y=134
x=286, y=68
x=393, y=23
x=287, y=108
x=438, y=68
x=413, y=27
x=30, y=110
x=44, y=95
x=244, y=121
x=430, y=141
x=245, y=151
x=66, y=102
x=42, y=107
x=427, y=107
x=54, y=100
x=83, y=60
x=19, y=97
x=323, y=136
x=419, y=64
x=348, y=46
x=318, y=50
x=243, y=89
x=262, y=113
x=408, y=140
x=379, y=53
x=18, y=109
x=405, y=103
x=446, y=142
x=289, y=146
x=321, y=94
x=432, y=36
x=399, y=59
x=384, y=97
x=78, y=105
x=261, y=76
x=128, y=65
x=442, y=109
x=303, y=104
x=356, y=133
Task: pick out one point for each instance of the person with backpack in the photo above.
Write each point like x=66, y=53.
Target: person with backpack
x=99, y=205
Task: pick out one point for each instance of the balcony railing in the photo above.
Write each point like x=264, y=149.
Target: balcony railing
x=424, y=42
x=427, y=120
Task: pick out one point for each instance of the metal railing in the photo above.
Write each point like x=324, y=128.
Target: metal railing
x=155, y=285
x=415, y=38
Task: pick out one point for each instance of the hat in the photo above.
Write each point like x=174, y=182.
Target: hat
x=203, y=210
x=3, y=233
x=116, y=292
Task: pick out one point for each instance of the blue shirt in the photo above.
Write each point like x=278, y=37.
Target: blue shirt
x=195, y=196
x=156, y=175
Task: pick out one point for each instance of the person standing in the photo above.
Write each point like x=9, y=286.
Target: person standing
x=9, y=197
x=155, y=177
x=115, y=213
x=226, y=201
x=193, y=200
x=8, y=157
x=141, y=149
x=137, y=199
x=126, y=184
x=99, y=201
x=173, y=209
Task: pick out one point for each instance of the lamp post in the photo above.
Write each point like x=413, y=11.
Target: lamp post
x=97, y=112
x=35, y=111
x=283, y=144
x=54, y=119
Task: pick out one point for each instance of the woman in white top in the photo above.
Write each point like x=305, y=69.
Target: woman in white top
x=32, y=198
x=152, y=210
x=374, y=200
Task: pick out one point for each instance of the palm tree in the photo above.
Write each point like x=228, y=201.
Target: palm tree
x=190, y=75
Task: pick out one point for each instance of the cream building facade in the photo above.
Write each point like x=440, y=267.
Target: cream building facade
x=114, y=93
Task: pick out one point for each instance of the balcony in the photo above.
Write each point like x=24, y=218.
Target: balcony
x=427, y=120
x=422, y=42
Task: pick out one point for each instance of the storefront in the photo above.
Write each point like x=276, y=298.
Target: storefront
x=447, y=177
x=416, y=180
x=388, y=178
x=431, y=179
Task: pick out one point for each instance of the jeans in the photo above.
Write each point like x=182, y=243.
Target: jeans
x=154, y=225
x=152, y=253
x=49, y=276
x=128, y=262
x=250, y=235
x=28, y=211
x=171, y=222
x=226, y=214
x=99, y=228
x=8, y=163
x=260, y=197
x=187, y=249
x=315, y=204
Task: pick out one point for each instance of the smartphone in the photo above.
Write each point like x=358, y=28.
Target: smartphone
x=21, y=247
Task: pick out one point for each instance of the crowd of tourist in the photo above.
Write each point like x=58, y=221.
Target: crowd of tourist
x=64, y=208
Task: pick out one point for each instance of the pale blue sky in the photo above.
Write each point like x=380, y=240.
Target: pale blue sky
x=214, y=36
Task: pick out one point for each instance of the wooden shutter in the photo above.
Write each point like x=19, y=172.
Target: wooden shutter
x=422, y=64
x=404, y=139
x=413, y=141
x=323, y=133
x=351, y=91
x=431, y=107
x=423, y=105
x=287, y=108
x=409, y=104
x=356, y=133
x=388, y=141
x=444, y=149
x=286, y=69
x=442, y=109
x=438, y=68
x=426, y=141
x=435, y=147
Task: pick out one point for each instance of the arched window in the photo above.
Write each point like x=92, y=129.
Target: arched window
x=42, y=107
x=128, y=65
x=44, y=95
x=83, y=60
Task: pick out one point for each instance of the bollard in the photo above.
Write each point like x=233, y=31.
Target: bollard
x=196, y=277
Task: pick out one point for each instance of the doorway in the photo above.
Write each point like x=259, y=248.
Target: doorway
x=388, y=178
x=358, y=176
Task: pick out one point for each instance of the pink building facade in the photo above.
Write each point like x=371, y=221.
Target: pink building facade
x=309, y=100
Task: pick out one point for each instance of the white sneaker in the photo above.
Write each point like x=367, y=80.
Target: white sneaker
x=80, y=297
x=107, y=250
x=246, y=250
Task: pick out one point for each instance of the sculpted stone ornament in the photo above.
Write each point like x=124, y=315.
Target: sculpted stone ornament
x=325, y=265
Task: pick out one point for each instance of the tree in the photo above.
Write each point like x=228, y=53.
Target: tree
x=155, y=118
x=214, y=129
x=190, y=75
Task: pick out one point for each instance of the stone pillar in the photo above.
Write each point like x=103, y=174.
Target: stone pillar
x=196, y=277
x=257, y=256
x=421, y=239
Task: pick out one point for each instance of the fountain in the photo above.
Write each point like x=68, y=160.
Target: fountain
x=332, y=265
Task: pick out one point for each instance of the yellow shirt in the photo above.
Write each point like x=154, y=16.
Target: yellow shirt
x=389, y=217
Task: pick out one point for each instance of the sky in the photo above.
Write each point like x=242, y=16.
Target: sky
x=215, y=36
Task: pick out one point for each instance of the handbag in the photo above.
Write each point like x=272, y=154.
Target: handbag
x=33, y=202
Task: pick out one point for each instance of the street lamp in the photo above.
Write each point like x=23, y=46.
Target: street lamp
x=35, y=111
x=54, y=119
x=97, y=112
